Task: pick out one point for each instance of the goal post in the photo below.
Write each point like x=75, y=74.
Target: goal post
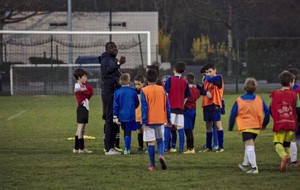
x=47, y=54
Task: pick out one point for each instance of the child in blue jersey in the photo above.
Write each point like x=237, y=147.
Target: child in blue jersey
x=251, y=114
x=173, y=130
x=190, y=113
x=178, y=91
x=285, y=111
x=215, y=145
x=125, y=103
x=212, y=107
x=155, y=115
x=293, y=146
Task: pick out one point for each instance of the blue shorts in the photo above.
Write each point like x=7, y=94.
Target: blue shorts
x=212, y=115
x=129, y=126
x=189, y=119
x=138, y=125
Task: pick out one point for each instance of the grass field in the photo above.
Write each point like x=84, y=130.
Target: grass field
x=35, y=154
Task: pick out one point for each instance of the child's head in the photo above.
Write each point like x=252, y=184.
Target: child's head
x=287, y=79
x=151, y=76
x=190, y=78
x=203, y=70
x=295, y=72
x=179, y=67
x=211, y=70
x=250, y=85
x=153, y=66
x=125, y=79
x=80, y=75
x=139, y=82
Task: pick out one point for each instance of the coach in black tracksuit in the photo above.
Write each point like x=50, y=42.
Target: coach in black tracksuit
x=110, y=74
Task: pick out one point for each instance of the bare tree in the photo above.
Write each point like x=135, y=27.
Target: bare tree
x=12, y=11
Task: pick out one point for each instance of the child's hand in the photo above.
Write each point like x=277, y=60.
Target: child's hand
x=168, y=124
x=208, y=94
x=82, y=89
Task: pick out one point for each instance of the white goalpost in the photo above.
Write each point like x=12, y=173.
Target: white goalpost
x=42, y=62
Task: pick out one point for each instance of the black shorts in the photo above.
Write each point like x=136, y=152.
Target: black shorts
x=82, y=114
x=248, y=136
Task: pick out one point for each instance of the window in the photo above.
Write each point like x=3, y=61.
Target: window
x=117, y=24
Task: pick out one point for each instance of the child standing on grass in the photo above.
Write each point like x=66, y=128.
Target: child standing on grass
x=285, y=110
x=125, y=103
x=155, y=113
x=178, y=91
x=212, y=107
x=173, y=130
x=293, y=147
x=83, y=93
x=190, y=113
x=251, y=114
x=139, y=84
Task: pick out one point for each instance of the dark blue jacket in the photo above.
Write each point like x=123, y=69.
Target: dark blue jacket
x=110, y=73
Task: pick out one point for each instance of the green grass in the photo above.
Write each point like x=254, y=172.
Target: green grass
x=35, y=154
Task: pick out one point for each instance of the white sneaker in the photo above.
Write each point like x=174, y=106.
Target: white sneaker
x=112, y=152
x=244, y=167
x=85, y=151
x=126, y=152
x=253, y=171
x=75, y=151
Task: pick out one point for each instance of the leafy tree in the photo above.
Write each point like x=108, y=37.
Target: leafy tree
x=164, y=45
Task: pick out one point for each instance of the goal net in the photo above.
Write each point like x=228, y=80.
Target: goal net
x=43, y=62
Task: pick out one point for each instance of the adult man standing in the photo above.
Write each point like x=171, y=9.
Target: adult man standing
x=110, y=74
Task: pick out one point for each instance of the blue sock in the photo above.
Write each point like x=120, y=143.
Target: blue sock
x=127, y=142
x=151, y=152
x=221, y=138
x=174, y=138
x=208, y=140
x=160, y=148
x=167, y=138
x=181, y=139
x=215, y=136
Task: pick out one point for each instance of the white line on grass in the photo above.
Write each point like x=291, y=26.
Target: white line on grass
x=16, y=115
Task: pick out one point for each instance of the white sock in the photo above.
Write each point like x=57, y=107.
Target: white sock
x=246, y=161
x=293, y=151
x=251, y=155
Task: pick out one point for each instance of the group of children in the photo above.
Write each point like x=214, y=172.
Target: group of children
x=252, y=114
x=156, y=107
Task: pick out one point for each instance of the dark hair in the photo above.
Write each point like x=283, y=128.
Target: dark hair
x=209, y=66
x=203, y=69
x=295, y=72
x=250, y=85
x=78, y=73
x=125, y=78
x=108, y=44
x=151, y=76
x=154, y=67
x=190, y=78
x=286, y=77
x=180, y=67
x=139, y=78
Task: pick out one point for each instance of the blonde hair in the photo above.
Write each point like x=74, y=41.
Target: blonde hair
x=250, y=85
x=125, y=79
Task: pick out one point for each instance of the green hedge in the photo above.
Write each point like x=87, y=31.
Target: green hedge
x=266, y=58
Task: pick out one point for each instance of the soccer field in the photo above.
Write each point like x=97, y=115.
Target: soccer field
x=35, y=153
